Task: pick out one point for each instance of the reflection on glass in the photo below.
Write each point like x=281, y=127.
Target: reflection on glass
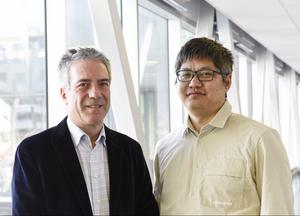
x=22, y=83
x=153, y=77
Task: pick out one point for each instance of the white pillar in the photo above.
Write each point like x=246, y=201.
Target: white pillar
x=56, y=47
x=205, y=20
x=130, y=32
x=176, y=107
x=271, y=106
x=225, y=38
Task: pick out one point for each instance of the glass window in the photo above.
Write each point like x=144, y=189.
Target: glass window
x=186, y=35
x=153, y=76
x=245, y=69
x=22, y=83
x=80, y=31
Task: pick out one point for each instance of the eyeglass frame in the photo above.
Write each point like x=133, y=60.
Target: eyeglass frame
x=195, y=73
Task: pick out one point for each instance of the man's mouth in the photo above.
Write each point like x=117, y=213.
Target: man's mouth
x=195, y=93
x=94, y=106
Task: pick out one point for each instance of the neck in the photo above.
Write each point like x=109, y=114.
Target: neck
x=199, y=121
x=93, y=133
x=200, y=118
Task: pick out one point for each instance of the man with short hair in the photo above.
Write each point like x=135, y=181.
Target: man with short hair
x=80, y=166
x=219, y=162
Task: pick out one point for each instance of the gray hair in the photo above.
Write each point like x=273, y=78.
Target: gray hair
x=80, y=53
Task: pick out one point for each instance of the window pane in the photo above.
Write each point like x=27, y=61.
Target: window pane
x=153, y=76
x=245, y=69
x=79, y=24
x=22, y=83
x=186, y=35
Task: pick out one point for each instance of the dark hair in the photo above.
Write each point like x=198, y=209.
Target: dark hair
x=199, y=48
x=79, y=53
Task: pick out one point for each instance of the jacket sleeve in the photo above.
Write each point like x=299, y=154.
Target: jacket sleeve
x=273, y=176
x=146, y=203
x=157, y=181
x=26, y=186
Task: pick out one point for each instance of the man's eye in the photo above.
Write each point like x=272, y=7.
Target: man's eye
x=206, y=74
x=83, y=85
x=186, y=75
x=104, y=83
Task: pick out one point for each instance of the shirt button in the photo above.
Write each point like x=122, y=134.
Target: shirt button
x=98, y=201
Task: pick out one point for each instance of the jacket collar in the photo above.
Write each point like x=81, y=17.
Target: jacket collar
x=65, y=150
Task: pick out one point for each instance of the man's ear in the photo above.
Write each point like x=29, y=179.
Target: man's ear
x=63, y=95
x=228, y=81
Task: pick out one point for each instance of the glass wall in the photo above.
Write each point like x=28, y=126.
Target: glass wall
x=153, y=76
x=22, y=83
x=79, y=26
x=186, y=35
x=245, y=70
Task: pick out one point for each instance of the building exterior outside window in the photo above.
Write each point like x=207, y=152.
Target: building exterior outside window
x=153, y=76
x=22, y=83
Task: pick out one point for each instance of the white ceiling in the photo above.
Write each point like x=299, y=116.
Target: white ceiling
x=273, y=23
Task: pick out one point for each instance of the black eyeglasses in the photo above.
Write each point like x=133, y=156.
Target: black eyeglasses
x=186, y=75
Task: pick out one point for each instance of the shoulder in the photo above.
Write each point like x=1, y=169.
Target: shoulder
x=120, y=140
x=169, y=138
x=61, y=127
x=34, y=147
x=170, y=142
x=40, y=140
x=115, y=135
x=247, y=124
x=36, y=139
x=255, y=132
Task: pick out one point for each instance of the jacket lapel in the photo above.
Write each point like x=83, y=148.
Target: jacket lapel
x=65, y=150
x=114, y=154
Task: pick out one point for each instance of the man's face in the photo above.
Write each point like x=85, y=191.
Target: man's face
x=88, y=98
x=203, y=97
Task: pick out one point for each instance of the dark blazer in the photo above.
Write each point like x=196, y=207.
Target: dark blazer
x=47, y=177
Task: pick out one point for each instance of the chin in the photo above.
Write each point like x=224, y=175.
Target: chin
x=94, y=121
x=196, y=105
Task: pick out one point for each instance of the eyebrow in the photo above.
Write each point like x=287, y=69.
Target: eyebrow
x=203, y=68
x=82, y=80
x=105, y=79
x=88, y=80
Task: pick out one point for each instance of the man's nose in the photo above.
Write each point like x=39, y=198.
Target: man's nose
x=94, y=91
x=195, y=81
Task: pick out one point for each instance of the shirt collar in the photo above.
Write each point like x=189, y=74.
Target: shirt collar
x=217, y=121
x=77, y=134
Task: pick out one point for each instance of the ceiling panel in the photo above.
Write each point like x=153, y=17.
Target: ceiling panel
x=273, y=23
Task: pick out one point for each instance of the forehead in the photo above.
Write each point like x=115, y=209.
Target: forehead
x=196, y=63
x=88, y=69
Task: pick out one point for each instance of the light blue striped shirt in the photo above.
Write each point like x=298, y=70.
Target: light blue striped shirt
x=94, y=167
